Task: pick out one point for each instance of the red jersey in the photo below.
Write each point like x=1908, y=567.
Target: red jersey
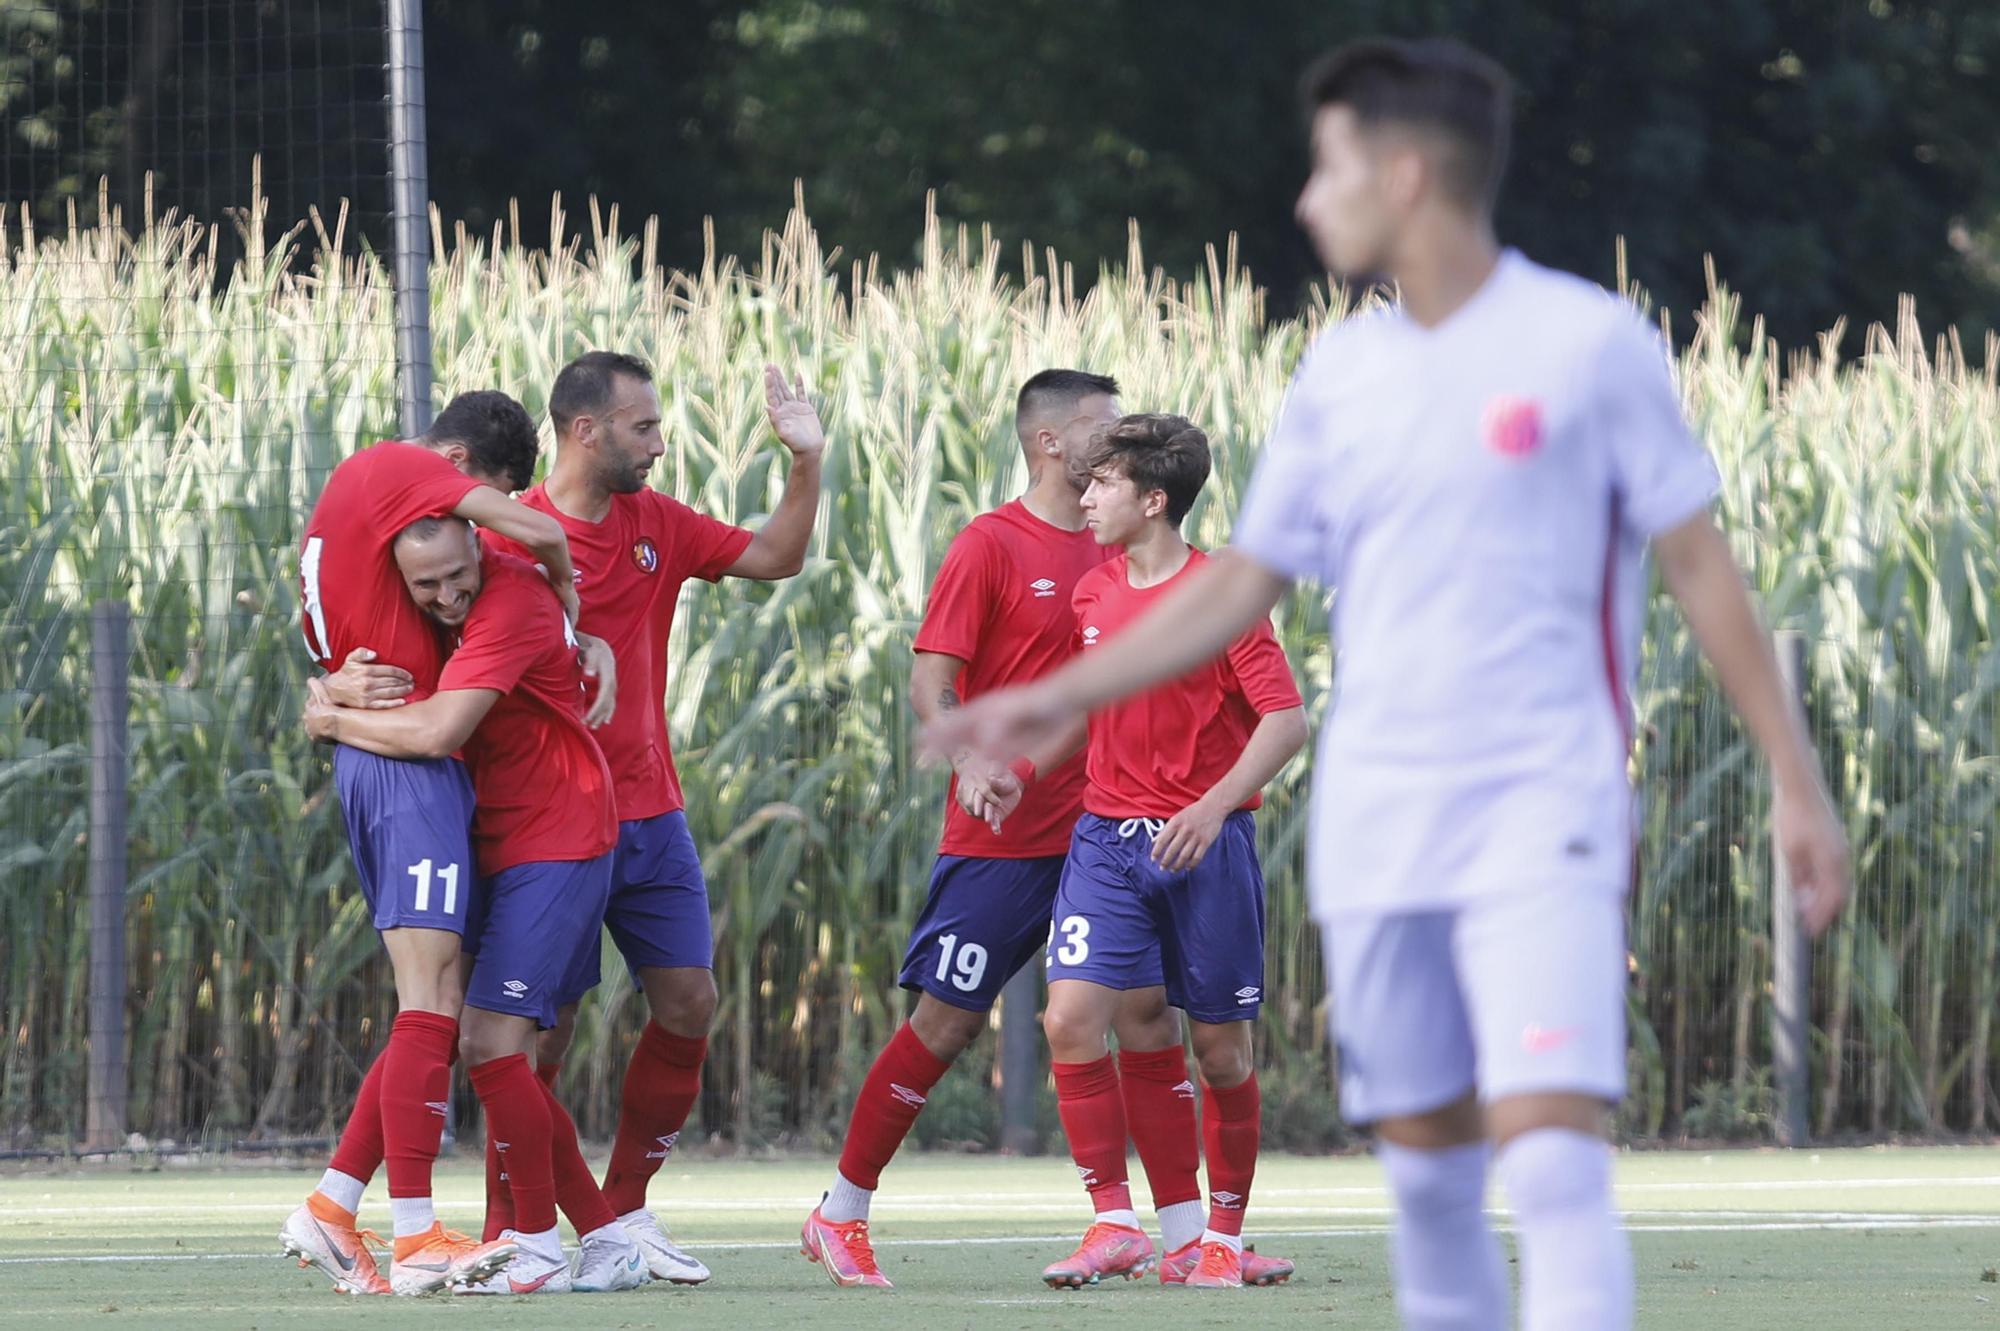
x=1155, y=754
x=350, y=591
x=1001, y=604
x=540, y=784
x=629, y=572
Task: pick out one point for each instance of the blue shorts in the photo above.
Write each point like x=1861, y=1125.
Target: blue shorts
x=983, y=921
x=409, y=827
x=658, y=910
x=1124, y=923
x=531, y=921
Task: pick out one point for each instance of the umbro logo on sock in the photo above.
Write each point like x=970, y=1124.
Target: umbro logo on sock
x=1228, y=1201
x=439, y=1107
x=666, y=1146
x=1088, y=1175
x=1185, y=1090
x=909, y=1097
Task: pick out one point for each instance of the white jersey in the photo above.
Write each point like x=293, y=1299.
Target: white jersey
x=1479, y=495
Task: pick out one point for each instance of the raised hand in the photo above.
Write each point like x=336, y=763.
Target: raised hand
x=793, y=418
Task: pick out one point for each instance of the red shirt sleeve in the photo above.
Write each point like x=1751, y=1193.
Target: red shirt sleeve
x=962, y=598
x=508, y=628
x=696, y=545
x=1263, y=675
x=407, y=482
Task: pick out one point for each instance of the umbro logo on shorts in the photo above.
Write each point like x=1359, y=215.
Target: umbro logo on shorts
x=666, y=1146
x=1185, y=1090
x=1043, y=587
x=515, y=988
x=906, y=1095
x=1228, y=1201
x=1247, y=995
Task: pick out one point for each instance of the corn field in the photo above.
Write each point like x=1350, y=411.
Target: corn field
x=169, y=425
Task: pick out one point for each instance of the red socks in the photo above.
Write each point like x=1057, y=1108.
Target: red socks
x=499, y=1201
x=1230, y=1128
x=416, y=1079
x=518, y=1123
x=360, y=1149
x=576, y=1188
x=1093, y=1118
x=890, y=1099
x=661, y=1084
x=1159, y=1108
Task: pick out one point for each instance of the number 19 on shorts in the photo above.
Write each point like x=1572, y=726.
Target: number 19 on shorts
x=963, y=967
x=447, y=875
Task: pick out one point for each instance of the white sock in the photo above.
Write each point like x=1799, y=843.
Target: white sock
x=1125, y=1216
x=1443, y=1255
x=1181, y=1224
x=343, y=1190
x=1576, y=1263
x=411, y=1215
x=547, y=1244
x=845, y=1201
x=613, y=1234
x=1233, y=1242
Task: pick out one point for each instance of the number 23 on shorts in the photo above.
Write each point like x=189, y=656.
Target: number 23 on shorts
x=1076, y=941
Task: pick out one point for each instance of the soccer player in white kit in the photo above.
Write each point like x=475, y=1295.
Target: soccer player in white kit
x=1478, y=474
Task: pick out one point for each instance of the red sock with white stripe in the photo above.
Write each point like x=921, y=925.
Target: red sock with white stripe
x=1231, y=1128
x=662, y=1082
x=1093, y=1118
x=1159, y=1110
x=517, y=1121
x=416, y=1079
x=359, y=1154
x=891, y=1097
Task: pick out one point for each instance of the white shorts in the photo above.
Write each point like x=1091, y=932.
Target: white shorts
x=1518, y=993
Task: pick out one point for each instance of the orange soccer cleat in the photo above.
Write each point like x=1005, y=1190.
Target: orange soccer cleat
x=1178, y=1265
x=1106, y=1250
x=439, y=1257
x=842, y=1247
x=322, y=1234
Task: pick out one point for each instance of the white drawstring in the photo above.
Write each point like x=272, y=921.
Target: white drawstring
x=1153, y=826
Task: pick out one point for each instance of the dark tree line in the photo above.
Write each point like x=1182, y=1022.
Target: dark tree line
x=1830, y=154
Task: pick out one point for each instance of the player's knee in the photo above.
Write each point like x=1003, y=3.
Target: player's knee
x=945, y=1030
x=1075, y=1035
x=1224, y=1066
x=683, y=1000
x=552, y=1045
x=1554, y=1170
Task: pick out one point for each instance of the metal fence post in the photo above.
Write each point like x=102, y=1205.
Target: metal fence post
x=409, y=214
x=1020, y=1061
x=1791, y=955
x=110, y=656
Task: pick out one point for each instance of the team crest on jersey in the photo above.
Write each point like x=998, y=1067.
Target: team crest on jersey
x=1090, y=636
x=646, y=555
x=1513, y=426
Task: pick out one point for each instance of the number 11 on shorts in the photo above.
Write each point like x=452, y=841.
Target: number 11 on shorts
x=448, y=875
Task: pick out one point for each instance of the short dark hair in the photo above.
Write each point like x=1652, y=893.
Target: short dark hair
x=1155, y=451
x=1047, y=388
x=496, y=432
x=423, y=529
x=1435, y=84
x=583, y=388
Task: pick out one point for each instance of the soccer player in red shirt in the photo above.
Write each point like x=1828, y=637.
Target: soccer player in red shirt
x=634, y=549
x=511, y=697
x=1162, y=881
x=408, y=822
x=999, y=613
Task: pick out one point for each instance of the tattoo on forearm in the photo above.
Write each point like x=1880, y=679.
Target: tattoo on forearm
x=948, y=701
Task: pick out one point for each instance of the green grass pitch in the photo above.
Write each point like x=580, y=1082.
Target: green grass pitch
x=1878, y=1237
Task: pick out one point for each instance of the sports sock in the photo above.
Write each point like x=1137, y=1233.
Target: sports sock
x=661, y=1084
x=416, y=1079
x=500, y=1202
x=1159, y=1111
x=546, y=1073
x=517, y=1118
x=845, y=1200
x=1231, y=1127
x=1444, y=1258
x=577, y=1192
x=1181, y=1224
x=343, y=1190
x=1093, y=1118
x=1576, y=1263
x=410, y=1216
x=360, y=1151
x=891, y=1097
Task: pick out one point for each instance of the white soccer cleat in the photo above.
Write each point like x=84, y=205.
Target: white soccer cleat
x=527, y=1273
x=322, y=1235
x=606, y=1265
x=663, y=1257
